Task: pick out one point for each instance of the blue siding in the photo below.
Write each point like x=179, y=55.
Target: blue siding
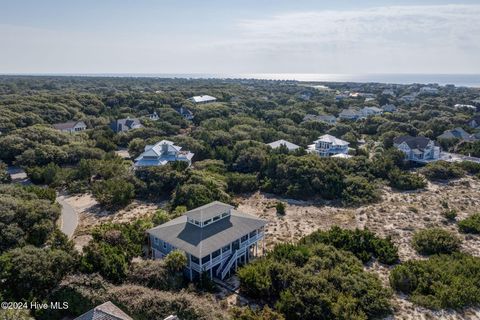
x=160, y=245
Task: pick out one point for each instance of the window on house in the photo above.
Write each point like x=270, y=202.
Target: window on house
x=215, y=253
x=194, y=259
x=225, y=214
x=155, y=240
x=226, y=248
x=205, y=259
x=244, y=238
x=196, y=222
x=164, y=245
x=253, y=234
x=207, y=222
x=216, y=218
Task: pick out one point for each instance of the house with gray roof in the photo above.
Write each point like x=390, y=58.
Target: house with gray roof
x=105, y=311
x=457, y=133
x=371, y=111
x=326, y=118
x=162, y=153
x=351, y=114
x=71, y=126
x=184, y=112
x=389, y=107
x=417, y=149
x=277, y=144
x=474, y=122
x=122, y=125
x=216, y=238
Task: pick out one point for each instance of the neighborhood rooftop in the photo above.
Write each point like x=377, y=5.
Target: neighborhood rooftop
x=105, y=311
x=413, y=142
x=281, y=142
x=67, y=125
x=331, y=139
x=204, y=98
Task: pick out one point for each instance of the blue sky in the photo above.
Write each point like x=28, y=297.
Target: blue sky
x=262, y=36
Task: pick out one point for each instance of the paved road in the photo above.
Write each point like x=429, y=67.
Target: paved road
x=69, y=217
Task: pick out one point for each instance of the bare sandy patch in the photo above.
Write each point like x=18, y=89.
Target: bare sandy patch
x=398, y=215
x=90, y=214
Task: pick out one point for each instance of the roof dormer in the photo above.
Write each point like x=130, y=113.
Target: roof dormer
x=208, y=214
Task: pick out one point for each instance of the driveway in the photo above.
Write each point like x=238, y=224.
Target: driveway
x=68, y=218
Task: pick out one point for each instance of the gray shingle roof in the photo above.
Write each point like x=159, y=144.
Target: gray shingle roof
x=278, y=143
x=67, y=125
x=203, y=241
x=413, y=142
x=208, y=211
x=106, y=311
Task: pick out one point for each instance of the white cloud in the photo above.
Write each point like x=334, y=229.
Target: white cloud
x=444, y=38
x=396, y=39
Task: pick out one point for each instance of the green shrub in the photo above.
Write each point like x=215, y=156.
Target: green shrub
x=155, y=274
x=441, y=282
x=434, y=241
x=362, y=243
x=4, y=175
x=315, y=281
x=406, y=181
x=280, y=207
x=242, y=182
x=358, y=191
x=115, y=192
x=442, y=170
x=160, y=217
x=470, y=224
x=470, y=167
x=175, y=261
x=248, y=314
x=450, y=214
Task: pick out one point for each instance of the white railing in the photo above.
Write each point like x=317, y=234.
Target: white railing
x=229, y=264
x=224, y=257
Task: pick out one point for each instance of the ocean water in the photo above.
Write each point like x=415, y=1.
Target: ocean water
x=461, y=80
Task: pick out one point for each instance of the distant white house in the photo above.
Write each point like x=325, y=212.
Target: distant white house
x=154, y=116
x=184, y=112
x=71, y=126
x=388, y=92
x=121, y=125
x=389, y=107
x=367, y=95
x=321, y=118
x=202, y=99
x=464, y=106
x=351, y=114
x=162, y=153
x=428, y=90
x=371, y=111
x=327, y=146
x=307, y=95
x=417, y=149
x=277, y=144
